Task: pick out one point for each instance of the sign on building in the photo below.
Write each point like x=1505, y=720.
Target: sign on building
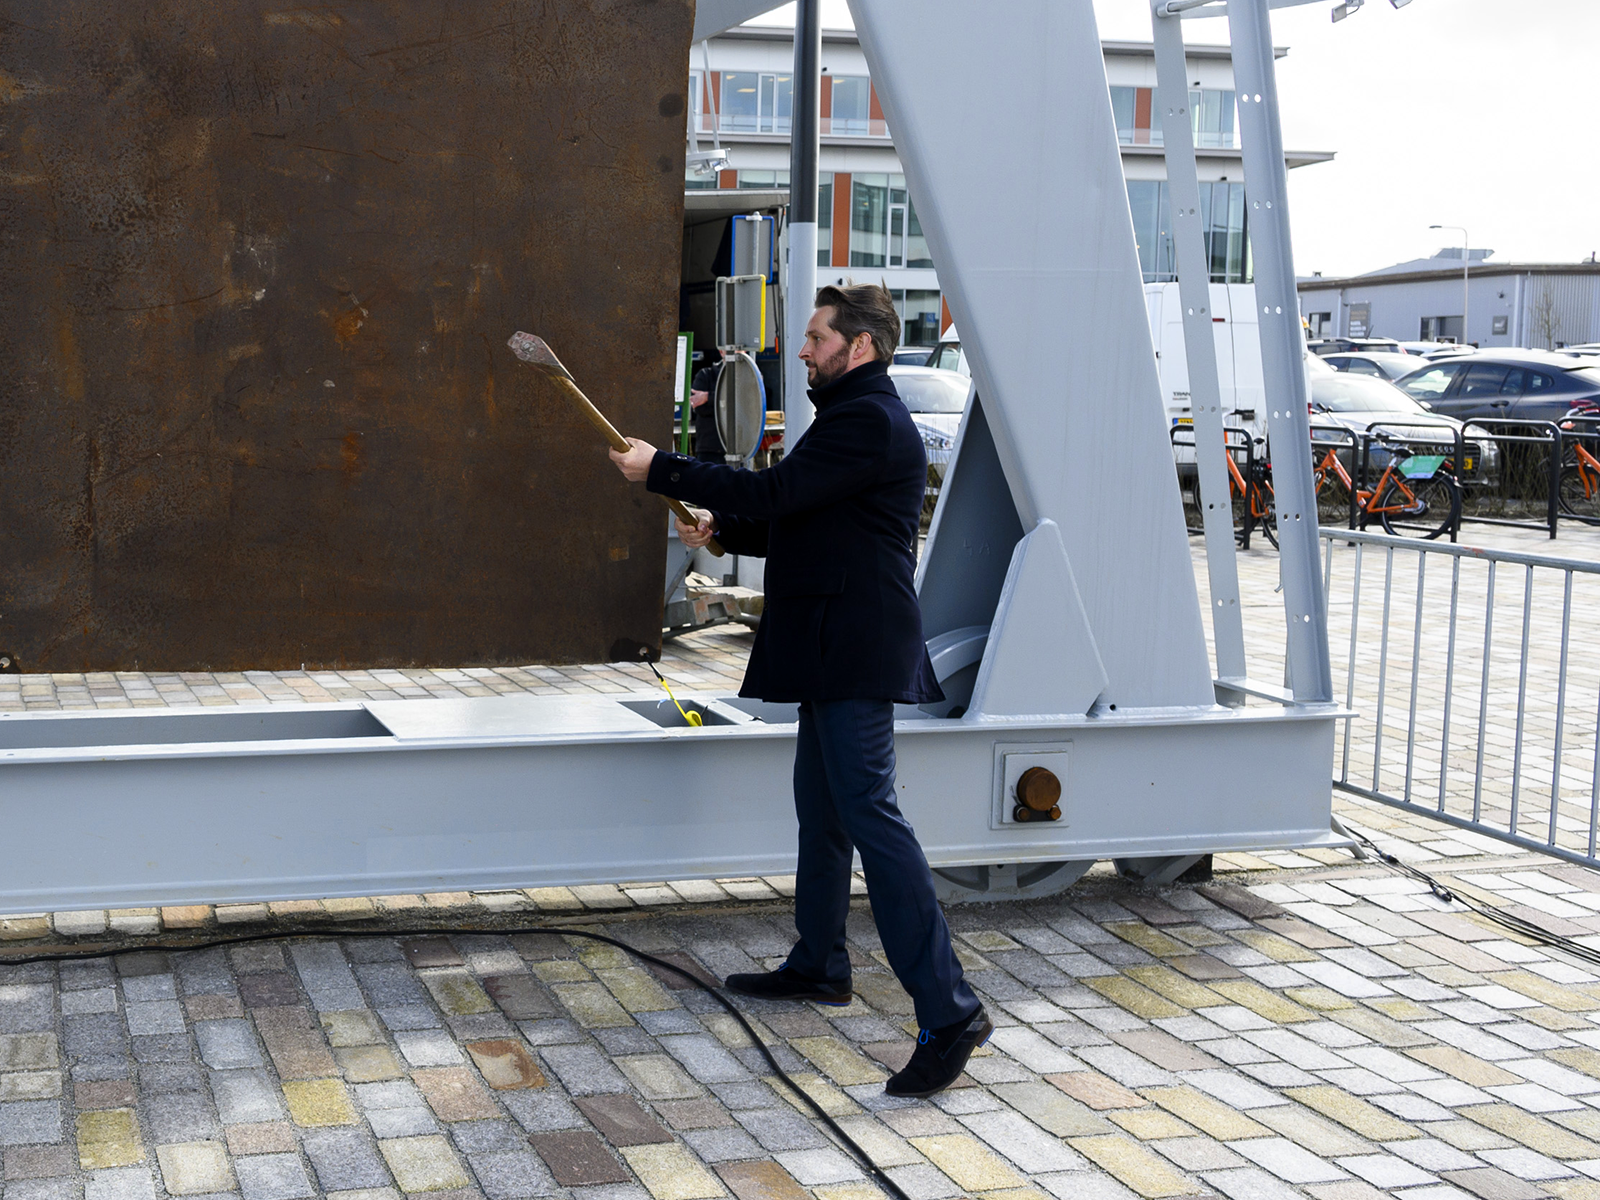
x=1360, y=319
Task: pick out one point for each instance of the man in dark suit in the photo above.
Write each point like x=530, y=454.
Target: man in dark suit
x=841, y=634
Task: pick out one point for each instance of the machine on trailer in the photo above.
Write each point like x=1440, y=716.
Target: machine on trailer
x=1082, y=719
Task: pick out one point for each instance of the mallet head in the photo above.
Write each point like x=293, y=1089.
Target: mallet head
x=533, y=350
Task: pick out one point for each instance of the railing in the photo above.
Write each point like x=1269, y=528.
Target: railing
x=1473, y=706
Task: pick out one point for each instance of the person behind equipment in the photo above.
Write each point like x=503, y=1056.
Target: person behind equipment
x=702, y=396
x=841, y=635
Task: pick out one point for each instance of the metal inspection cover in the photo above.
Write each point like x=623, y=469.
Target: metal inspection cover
x=258, y=265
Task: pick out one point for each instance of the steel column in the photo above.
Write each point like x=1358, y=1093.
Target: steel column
x=1200, y=347
x=804, y=148
x=1282, y=350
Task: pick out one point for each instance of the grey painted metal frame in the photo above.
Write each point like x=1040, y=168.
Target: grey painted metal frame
x=1200, y=347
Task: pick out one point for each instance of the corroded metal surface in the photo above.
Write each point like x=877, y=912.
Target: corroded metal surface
x=258, y=264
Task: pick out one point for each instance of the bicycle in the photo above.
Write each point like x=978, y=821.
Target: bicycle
x=1578, y=490
x=1253, y=501
x=1414, y=497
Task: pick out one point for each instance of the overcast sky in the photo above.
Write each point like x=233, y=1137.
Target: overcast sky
x=1454, y=112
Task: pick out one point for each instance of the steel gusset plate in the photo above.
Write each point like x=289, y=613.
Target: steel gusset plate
x=258, y=265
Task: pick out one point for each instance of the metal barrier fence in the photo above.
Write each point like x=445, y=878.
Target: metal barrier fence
x=1473, y=705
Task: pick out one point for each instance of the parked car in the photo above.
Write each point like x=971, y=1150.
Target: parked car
x=1343, y=345
x=913, y=356
x=1517, y=385
x=935, y=398
x=1383, y=366
x=1434, y=349
x=948, y=355
x=1344, y=403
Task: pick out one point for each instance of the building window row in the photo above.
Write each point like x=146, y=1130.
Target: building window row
x=1222, y=220
x=1212, y=117
x=759, y=102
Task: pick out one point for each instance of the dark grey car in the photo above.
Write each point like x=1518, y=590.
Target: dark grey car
x=1527, y=385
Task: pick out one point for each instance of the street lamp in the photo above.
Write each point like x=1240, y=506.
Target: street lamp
x=1466, y=265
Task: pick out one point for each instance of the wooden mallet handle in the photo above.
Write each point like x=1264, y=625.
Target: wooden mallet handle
x=536, y=353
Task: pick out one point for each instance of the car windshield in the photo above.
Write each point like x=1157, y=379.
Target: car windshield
x=1343, y=393
x=933, y=393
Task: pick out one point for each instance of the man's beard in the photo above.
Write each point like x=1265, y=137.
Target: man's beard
x=821, y=374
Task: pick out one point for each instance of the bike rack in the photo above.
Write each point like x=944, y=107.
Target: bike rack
x=1491, y=428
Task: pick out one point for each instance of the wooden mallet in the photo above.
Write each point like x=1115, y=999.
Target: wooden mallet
x=534, y=351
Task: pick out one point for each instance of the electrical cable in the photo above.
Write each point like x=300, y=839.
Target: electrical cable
x=880, y=1176
x=690, y=716
x=1510, y=921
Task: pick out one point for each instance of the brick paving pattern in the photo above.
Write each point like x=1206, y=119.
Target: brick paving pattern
x=1306, y=1025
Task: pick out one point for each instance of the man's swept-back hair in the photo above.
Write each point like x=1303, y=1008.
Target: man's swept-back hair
x=863, y=308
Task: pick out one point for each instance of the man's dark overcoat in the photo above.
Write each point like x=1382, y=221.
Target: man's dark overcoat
x=837, y=522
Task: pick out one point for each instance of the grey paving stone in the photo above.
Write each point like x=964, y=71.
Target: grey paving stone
x=707, y=1059
x=512, y=1174
x=673, y=1020
x=409, y=1016
x=141, y=988
x=1249, y=1183
x=270, y=989
x=390, y=984
x=628, y=1040
x=89, y=1000
x=164, y=1048
x=429, y=1048
x=122, y=1183
x=372, y=950
x=722, y=1145
x=102, y=1067
x=780, y=1129
x=159, y=1078
x=272, y=1177
x=154, y=1016
x=30, y=1122
x=583, y=1070
x=45, y=1189
x=227, y=1045
x=538, y=1112
x=204, y=973
x=344, y=1159
x=480, y=1027
x=245, y=1097
x=92, y=973
x=86, y=1037
x=28, y=1008
x=813, y=1168
x=180, y=1117
x=477, y=1137
x=402, y=1122
x=392, y=1093
x=747, y=1094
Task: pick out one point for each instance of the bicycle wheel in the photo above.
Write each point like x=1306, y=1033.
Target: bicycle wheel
x=1261, y=504
x=1579, y=494
x=1333, y=501
x=1422, y=508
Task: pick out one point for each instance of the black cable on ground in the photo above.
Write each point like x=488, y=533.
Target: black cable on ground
x=879, y=1175
x=1510, y=921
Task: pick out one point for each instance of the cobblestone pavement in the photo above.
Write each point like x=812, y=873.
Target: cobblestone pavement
x=1305, y=1025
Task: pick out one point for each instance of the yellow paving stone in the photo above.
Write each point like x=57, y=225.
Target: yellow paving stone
x=1134, y=1166
x=1352, y=1112
x=457, y=992
x=1045, y=1106
x=1554, y=1019
x=1465, y=1067
x=1401, y=1009
x=1585, y=1123
x=847, y=1191
x=635, y=990
x=368, y=1064
x=882, y=1144
x=598, y=954
x=732, y=1035
x=1574, y=1189
x=315, y=1102
x=1466, y=1135
x=969, y=959
x=195, y=1168
x=834, y=1102
x=1180, y=989
x=352, y=1027
x=350, y=906
x=969, y=1162
x=1316, y=1133
x=1274, y=946
x=838, y=1061
x=30, y=1085
x=561, y=970
x=423, y=1164
x=1197, y=935
x=1278, y=1009
x=1135, y=997
x=109, y=1138
x=1150, y=1124
x=989, y=939
x=1096, y=1090
x=1320, y=998
x=1533, y=1132
x=1027, y=1193
x=1580, y=1059
x=591, y=1005
x=1151, y=941
x=670, y=1172
x=1544, y=991
x=1210, y=1115
x=883, y=992
x=28, y=1052
x=1380, y=1028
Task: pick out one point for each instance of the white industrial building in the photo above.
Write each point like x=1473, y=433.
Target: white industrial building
x=1542, y=306
x=740, y=85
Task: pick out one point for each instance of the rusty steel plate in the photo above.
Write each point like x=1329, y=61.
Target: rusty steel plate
x=258, y=266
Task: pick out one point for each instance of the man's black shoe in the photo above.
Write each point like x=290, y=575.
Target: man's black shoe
x=788, y=984
x=940, y=1057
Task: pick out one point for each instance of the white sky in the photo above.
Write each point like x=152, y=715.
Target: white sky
x=1457, y=112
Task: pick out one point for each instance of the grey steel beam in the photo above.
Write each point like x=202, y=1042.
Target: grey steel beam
x=1282, y=350
x=800, y=280
x=1200, y=347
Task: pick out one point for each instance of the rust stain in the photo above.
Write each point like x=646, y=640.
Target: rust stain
x=347, y=324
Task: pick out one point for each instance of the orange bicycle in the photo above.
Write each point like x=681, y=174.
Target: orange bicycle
x=1578, y=490
x=1414, y=497
x=1253, y=506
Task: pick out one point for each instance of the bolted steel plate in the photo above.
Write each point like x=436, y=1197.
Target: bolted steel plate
x=258, y=265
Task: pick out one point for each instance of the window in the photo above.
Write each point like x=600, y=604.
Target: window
x=1539, y=383
x=1360, y=366
x=1432, y=383
x=1482, y=379
x=947, y=357
x=852, y=105
x=869, y=220
x=1212, y=112
x=1132, y=108
x=1223, y=224
x=824, y=218
x=919, y=317
x=763, y=179
x=1152, y=230
x=756, y=103
x=1320, y=323
x=1122, y=111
